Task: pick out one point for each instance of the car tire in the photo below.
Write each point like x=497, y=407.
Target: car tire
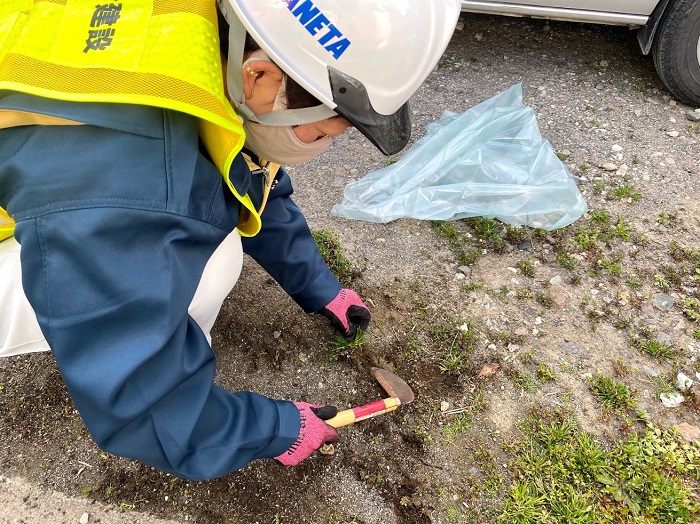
x=676, y=50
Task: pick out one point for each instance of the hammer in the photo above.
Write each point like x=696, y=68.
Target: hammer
x=399, y=393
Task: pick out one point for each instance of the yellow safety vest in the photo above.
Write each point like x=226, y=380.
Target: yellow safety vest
x=162, y=53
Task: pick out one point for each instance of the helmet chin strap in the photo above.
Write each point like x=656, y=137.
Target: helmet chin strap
x=286, y=117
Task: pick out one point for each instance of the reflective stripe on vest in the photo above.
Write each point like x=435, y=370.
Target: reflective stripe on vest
x=162, y=53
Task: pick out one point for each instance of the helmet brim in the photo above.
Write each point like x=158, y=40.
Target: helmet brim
x=390, y=133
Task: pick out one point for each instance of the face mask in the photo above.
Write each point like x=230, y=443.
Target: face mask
x=279, y=144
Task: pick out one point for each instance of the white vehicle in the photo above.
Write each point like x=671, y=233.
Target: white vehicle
x=669, y=29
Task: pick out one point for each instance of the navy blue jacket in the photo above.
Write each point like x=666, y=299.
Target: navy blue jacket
x=117, y=220
x=295, y=262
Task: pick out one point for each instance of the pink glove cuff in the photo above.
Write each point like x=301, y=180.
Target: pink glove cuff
x=313, y=433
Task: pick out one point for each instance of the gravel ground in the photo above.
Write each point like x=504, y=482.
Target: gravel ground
x=634, y=152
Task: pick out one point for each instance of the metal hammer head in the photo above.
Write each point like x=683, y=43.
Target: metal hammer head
x=395, y=386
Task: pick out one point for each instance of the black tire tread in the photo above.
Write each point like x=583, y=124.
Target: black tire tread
x=677, y=26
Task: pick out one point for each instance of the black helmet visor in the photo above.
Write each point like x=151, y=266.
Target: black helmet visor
x=390, y=133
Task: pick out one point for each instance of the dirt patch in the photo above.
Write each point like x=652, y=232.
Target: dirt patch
x=552, y=309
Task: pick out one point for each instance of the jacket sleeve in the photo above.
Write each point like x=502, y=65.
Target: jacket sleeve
x=111, y=289
x=286, y=249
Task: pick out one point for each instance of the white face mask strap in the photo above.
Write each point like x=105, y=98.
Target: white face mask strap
x=287, y=117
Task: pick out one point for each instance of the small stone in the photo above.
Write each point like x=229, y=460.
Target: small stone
x=459, y=26
x=683, y=381
x=603, y=63
x=673, y=134
x=649, y=372
x=688, y=432
x=663, y=302
x=558, y=298
x=276, y=334
x=570, y=347
x=479, y=36
x=616, y=147
x=600, y=86
x=444, y=406
x=694, y=394
x=608, y=166
x=84, y=518
x=671, y=400
x=521, y=331
x=555, y=280
x=693, y=116
x=466, y=270
x=663, y=338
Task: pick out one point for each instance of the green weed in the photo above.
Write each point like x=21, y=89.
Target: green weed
x=657, y=349
x=342, y=347
x=458, y=426
x=566, y=261
x=691, y=309
x=456, y=340
x=614, y=395
x=329, y=245
x=527, y=268
x=459, y=244
x=563, y=475
x=624, y=191
x=545, y=373
x=525, y=382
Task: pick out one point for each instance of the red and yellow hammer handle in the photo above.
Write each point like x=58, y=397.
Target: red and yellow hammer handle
x=362, y=412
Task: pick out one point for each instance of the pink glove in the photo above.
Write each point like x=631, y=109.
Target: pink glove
x=347, y=312
x=313, y=432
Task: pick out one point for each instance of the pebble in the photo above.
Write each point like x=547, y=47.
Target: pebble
x=444, y=406
x=673, y=134
x=570, y=347
x=466, y=270
x=276, y=334
x=688, y=432
x=558, y=298
x=671, y=400
x=649, y=372
x=683, y=381
x=555, y=280
x=663, y=337
x=609, y=166
x=693, y=116
x=663, y=302
x=617, y=148
x=84, y=518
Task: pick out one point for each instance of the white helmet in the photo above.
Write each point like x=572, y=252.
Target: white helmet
x=362, y=58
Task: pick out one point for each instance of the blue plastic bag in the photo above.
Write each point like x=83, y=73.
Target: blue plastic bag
x=489, y=161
